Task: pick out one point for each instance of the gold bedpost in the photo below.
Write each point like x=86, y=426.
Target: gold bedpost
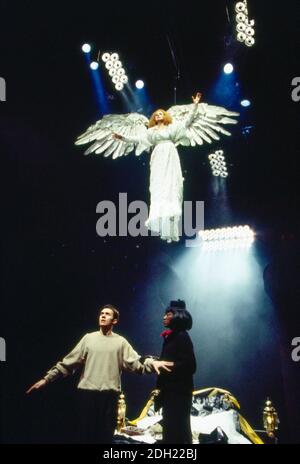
x=121, y=421
x=270, y=419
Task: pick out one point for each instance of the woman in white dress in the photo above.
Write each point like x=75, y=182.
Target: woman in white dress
x=117, y=135
x=166, y=181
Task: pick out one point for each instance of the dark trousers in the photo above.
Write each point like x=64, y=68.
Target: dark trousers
x=176, y=409
x=98, y=415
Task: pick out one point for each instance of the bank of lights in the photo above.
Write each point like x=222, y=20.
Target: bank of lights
x=226, y=238
x=218, y=164
x=244, y=27
x=115, y=69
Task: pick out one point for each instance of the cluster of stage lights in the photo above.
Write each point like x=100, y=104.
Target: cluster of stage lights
x=226, y=238
x=115, y=70
x=218, y=164
x=244, y=27
x=112, y=64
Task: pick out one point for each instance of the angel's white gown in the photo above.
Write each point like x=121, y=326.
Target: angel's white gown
x=166, y=181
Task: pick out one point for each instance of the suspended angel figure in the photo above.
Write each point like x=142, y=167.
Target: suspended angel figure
x=194, y=124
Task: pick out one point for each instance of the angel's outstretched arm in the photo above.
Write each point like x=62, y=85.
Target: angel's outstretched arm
x=143, y=139
x=199, y=123
x=190, y=119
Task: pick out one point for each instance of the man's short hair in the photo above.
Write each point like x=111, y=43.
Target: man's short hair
x=182, y=319
x=116, y=313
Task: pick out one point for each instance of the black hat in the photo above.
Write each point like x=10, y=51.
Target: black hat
x=178, y=304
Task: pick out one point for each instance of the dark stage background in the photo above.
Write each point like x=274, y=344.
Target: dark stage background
x=56, y=271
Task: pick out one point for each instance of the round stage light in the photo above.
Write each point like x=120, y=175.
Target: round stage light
x=240, y=18
x=139, y=84
x=119, y=86
x=245, y=103
x=241, y=27
x=228, y=68
x=109, y=64
x=240, y=7
x=124, y=79
x=249, y=41
x=116, y=79
x=114, y=57
x=120, y=71
x=241, y=36
x=112, y=72
x=105, y=57
x=250, y=31
x=94, y=65
x=251, y=23
x=86, y=48
x=117, y=64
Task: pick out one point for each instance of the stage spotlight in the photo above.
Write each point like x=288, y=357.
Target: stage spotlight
x=250, y=41
x=114, y=57
x=106, y=57
x=112, y=72
x=116, y=79
x=124, y=79
x=139, y=84
x=109, y=64
x=94, y=65
x=117, y=64
x=249, y=31
x=241, y=37
x=245, y=103
x=240, y=7
x=241, y=27
x=86, y=48
x=228, y=68
x=119, y=86
x=241, y=17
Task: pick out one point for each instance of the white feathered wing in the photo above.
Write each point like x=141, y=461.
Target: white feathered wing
x=206, y=123
x=127, y=125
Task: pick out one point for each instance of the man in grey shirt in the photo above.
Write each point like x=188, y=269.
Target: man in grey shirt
x=102, y=356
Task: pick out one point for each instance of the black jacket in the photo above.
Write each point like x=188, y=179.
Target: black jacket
x=178, y=348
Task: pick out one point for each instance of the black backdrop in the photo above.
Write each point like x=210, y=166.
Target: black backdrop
x=55, y=270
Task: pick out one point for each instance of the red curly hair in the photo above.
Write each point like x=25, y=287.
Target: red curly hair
x=166, y=122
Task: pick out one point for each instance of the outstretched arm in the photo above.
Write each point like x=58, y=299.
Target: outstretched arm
x=132, y=138
x=131, y=362
x=162, y=365
x=37, y=386
x=196, y=99
x=67, y=366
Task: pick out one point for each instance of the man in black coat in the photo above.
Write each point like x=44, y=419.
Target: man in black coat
x=176, y=387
